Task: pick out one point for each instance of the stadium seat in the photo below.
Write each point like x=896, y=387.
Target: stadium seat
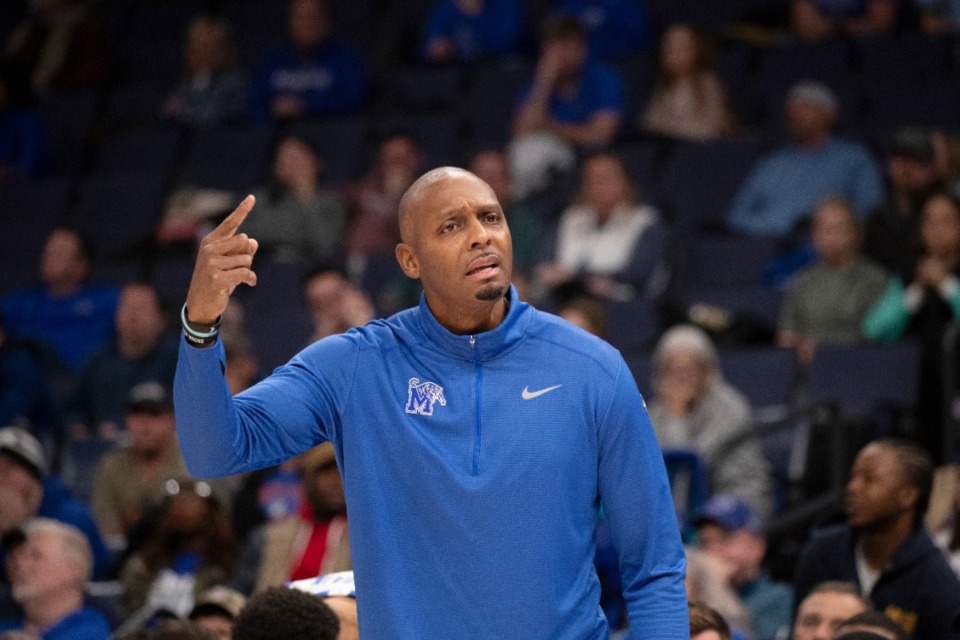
x=341, y=142
x=232, y=158
x=31, y=211
x=150, y=150
x=766, y=376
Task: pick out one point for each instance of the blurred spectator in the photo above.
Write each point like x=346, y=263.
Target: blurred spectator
x=140, y=351
x=608, y=243
x=24, y=390
x=826, y=607
x=373, y=201
x=870, y=625
x=572, y=103
x=307, y=544
x=883, y=546
x=295, y=219
x=334, y=304
x=587, y=313
x=707, y=624
x=466, y=30
x=827, y=301
x=614, y=28
x=291, y=614
x=782, y=189
x=946, y=533
x=189, y=549
x=689, y=100
x=241, y=367
x=732, y=536
x=62, y=45
x=921, y=304
x=310, y=75
x=27, y=491
x=338, y=591
x=526, y=230
x=938, y=17
x=130, y=481
x=913, y=175
x=63, y=313
x=24, y=150
x=821, y=19
x=171, y=629
x=212, y=90
x=48, y=572
x=695, y=408
x=706, y=586
x=216, y=609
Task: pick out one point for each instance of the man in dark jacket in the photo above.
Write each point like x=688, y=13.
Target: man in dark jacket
x=883, y=547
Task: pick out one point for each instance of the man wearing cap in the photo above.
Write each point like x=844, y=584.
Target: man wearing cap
x=730, y=533
x=892, y=231
x=216, y=609
x=783, y=188
x=306, y=544
x=48, y=571
x=130, y=480
x=28, y=491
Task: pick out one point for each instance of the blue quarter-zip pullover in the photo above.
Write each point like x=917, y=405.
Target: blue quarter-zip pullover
x=473, y=466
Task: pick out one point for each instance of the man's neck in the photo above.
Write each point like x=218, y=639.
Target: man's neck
x=42, y=613
x=63, y=289
x=477, y=320
x=814, y=141
x=880, y=544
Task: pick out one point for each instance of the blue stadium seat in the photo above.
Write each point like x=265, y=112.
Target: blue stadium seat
x=341, y=142
x=150, y=150
x=31, y=210
x=767, y=376
x=69, y=116
x=908, y=58
x=232, y=158
x=492, y=99
x=423, y=87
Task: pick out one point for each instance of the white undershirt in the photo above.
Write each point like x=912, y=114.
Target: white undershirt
x=866, y=576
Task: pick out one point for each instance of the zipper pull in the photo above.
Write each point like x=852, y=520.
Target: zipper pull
x=473, y=342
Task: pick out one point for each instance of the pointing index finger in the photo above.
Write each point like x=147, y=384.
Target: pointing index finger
x=232, y=222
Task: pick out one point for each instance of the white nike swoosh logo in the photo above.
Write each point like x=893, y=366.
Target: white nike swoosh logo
x=530, y=395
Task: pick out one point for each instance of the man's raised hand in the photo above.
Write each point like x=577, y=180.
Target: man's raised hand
x=225, y=260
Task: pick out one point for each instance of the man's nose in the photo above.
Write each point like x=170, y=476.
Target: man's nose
x=479, y=234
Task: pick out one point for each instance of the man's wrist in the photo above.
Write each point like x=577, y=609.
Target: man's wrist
x=198, y=335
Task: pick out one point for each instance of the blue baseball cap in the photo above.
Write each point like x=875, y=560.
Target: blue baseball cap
x=729, y=512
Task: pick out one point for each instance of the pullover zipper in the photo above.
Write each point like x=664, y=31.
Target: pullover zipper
x=478, y=383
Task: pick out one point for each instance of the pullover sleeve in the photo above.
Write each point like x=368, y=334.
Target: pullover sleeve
x=295, y=408
x=636, y=498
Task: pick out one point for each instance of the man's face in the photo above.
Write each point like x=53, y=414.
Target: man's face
x=139, y=318
x=62, y=258
x=459, y=245
x=911, y=174
x=219, y=626
x=42, y=567
x=808, y=121
x=604, y=184
x=834, y=232
x=307, y=23
x=742, y=550
x=150, y=432
x=324, y=490
x=877, y=491
x=820, y=614
x=569, y=54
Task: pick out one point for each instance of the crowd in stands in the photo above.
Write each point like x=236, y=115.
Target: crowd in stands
x=757, y=202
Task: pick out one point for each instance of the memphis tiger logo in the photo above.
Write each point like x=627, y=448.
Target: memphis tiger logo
x=421, y=396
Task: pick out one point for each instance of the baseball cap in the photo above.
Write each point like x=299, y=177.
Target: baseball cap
x=814, y=93
x=19, y=444
x=730, y=512
x=219, y=599
x=149, y=397
x=912, y=142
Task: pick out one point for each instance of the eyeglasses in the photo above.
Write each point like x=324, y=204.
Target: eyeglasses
x=200, y=488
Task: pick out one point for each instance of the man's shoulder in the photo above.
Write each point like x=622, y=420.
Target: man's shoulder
x=555, y=333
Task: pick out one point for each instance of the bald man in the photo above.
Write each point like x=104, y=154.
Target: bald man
x=477, y=438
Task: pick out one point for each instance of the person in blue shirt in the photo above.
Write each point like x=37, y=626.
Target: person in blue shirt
x=615, y=28
x=465, y=30
x=48, y=571
x=313, y=74
x=65, y=316
x=24, y=147
x=572, y=103
x=476, y=435
x=783, y=189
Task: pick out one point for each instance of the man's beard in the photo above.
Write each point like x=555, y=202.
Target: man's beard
x=491, y=292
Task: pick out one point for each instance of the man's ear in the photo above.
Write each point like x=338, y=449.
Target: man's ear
x=408, y=261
